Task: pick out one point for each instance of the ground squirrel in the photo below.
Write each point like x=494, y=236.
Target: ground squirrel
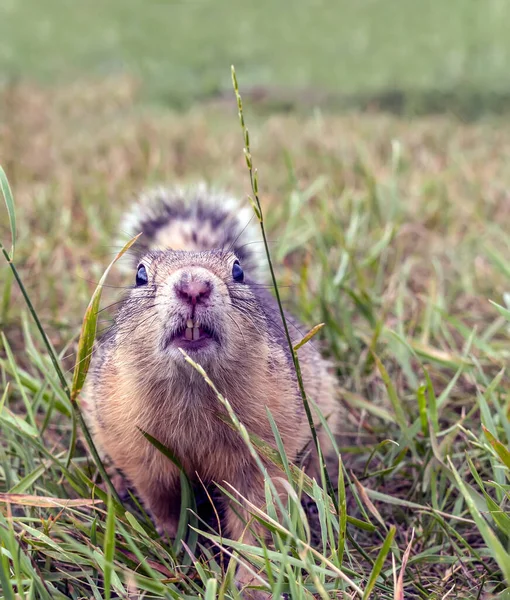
x=195, y=289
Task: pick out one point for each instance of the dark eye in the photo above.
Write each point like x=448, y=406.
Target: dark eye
x=141, y=276
x=237, y=272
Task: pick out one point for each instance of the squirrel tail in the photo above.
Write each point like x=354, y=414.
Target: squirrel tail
x=194, y=218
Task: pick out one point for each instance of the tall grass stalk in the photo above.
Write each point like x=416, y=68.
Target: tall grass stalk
x=255, y=202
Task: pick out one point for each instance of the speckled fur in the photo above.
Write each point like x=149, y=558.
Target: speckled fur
x=139, y=381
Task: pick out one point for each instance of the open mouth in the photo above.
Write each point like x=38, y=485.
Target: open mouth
x=194, y=332
x=193, y=335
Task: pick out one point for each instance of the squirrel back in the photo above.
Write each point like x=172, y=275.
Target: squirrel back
x=194, y=218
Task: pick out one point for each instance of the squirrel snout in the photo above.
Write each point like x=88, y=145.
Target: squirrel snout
x=193, y=292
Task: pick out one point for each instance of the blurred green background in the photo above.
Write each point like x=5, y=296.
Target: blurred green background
x=400, y=55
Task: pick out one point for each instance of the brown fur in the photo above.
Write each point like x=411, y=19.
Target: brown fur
x=139, y=382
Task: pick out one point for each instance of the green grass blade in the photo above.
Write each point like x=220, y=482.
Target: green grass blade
x=432, y=403
x=501, y=309
x=6, y=297
x=83, y=358
x=494, y=545
x=422, y=407
x=24, y=484
x=47, y=343
x=109, y=548
x=88, y=329
x=210, y=589
x=5, y=580
x=501, y=518
x=342, y=512
x=21, y=389
x=17, y=423
x=308, y=336
x=279, y=443
x=393, y=396
x=501, y=450
x=163, y=449
x=379, y=562
x=9, y=202
x=188, y=505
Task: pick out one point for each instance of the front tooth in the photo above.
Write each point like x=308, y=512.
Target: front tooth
x=188, y=334
x=196, y=333
x=189, y=323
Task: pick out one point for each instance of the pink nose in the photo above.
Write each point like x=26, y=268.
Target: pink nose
x=193, y=292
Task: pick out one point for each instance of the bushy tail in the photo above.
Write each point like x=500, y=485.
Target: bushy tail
x=194, y=218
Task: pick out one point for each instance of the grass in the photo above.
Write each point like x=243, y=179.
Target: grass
x=401, y=55
x=392, y=234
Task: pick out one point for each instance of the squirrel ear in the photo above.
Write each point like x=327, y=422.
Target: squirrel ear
x=141, y=276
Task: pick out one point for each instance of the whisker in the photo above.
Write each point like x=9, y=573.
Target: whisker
x=237, y=325
x=105, y=285
x=125, y=300
x=258, y=242
x=155, y=314
x=270, y=286
x=232, y=245
x=270, y=314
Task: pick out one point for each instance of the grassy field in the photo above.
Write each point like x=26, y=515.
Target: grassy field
x=394, y=236
x=402, y=55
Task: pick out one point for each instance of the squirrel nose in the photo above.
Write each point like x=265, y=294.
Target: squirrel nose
x=193, y=292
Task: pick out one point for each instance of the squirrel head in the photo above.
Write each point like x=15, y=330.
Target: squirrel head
x=202, y=302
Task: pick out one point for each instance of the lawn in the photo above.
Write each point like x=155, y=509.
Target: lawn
x=392, y=234
x=402, y=55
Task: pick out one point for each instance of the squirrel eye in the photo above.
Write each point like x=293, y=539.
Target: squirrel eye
x=237, y=272
x=141, y=276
